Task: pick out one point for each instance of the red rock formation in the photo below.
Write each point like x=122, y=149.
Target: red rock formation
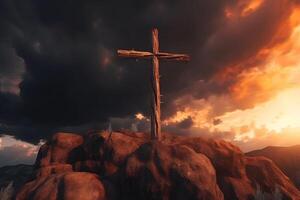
x=57, y=150
x=67, y=186
x=104, y=153
x=129, y=166
x=53, y=169
x=229, y=163
x=160, y=171
x=286, y=158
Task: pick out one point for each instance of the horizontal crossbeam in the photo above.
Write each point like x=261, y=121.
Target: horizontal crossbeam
x=134, y=54
x=148, y=55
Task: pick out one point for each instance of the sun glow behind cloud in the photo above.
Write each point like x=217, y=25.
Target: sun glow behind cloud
x=250, y=6
x=267, y=95
x=280, y=77
x=275, y=115
x=243, y=9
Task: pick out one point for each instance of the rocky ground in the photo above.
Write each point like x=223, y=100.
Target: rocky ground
x=128, y=166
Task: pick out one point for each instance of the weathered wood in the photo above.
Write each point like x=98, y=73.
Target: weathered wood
x=134, y=54
x=145, y=54
x=171, y=56
x=155, y=55
x=156, y=125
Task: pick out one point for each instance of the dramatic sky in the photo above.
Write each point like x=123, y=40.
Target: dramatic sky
x=59, y=69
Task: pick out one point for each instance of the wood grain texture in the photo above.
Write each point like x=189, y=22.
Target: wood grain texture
x=134, y=54
x=172, y=56
x=155, y=55
x=149, y=55
x=156, y=124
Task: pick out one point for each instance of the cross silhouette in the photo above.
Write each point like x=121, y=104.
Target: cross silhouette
x=155, y=55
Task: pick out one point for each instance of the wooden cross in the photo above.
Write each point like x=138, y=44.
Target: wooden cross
x=155, y=55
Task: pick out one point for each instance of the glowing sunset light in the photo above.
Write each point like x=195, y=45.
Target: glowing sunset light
x=139, y=116
x=243, y=9
x=264, y=100
x=251, y=6
x=274, y=115
x=199, y=116
x=280, y=78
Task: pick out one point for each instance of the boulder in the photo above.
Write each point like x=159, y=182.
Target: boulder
x=57, y=150
x=160, y=171
x=226, y=157
x=229, y=163
x=67, y=186
x=104, y=153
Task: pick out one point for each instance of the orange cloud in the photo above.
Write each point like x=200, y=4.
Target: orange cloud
x=243, y=8
x=263, y=102
x=250, y=6
x=262, y=76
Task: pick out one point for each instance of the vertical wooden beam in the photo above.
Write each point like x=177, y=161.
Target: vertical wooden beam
x=155, y=122
x=155, y=55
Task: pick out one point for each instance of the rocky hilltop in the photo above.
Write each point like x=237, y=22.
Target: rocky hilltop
x=286, y=158
x=129, y=166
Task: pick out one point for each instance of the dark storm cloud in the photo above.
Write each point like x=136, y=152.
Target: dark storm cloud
x=11, y=70
x=10, y=106
x=73, y=76
x=234, y=42
x=242, y=37
x=185, y=124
